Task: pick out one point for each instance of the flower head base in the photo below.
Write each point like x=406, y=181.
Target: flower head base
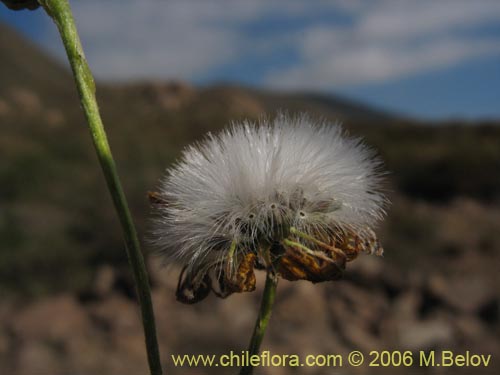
x=288, y=194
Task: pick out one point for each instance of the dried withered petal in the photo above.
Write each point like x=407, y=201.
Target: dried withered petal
x=326, y=261
x=296, y=264
x=243, y=280
x=220, y=289
x=21, y=4
x=192, y=289
x=352, y=244
x=196, y=285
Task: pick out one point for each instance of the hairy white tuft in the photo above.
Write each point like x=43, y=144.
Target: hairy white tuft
x=252, y=182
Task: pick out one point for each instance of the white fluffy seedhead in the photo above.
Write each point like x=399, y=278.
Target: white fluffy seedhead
x=250, y=183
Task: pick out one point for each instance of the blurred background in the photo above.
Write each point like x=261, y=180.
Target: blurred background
x=419, y=80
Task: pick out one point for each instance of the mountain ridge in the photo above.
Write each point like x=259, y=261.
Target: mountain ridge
x=25, y=65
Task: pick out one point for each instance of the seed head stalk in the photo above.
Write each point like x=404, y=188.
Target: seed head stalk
x=266, y=306
x=60, y=12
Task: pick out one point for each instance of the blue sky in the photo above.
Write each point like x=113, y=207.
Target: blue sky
x=434, y=59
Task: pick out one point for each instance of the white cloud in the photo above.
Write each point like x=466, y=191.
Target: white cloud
x=391, y=39
x=409, y=19
x=375, y=40
x=375, y=63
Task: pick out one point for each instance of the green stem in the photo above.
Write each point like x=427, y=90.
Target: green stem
x=262, y=319
x=60, y=12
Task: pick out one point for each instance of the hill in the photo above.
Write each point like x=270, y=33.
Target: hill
x=24, y=64
x=56, y=222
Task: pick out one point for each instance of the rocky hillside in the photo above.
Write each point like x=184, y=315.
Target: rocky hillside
x=377, y=307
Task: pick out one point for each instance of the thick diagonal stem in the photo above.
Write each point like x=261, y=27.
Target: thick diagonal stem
x=60, y=12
